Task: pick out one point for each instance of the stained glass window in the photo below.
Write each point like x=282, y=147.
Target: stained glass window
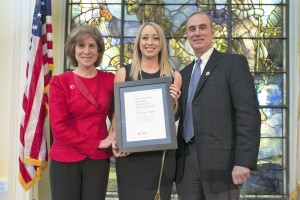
x=254, y=28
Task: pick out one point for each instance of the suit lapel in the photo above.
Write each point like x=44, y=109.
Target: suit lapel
x=208, y=70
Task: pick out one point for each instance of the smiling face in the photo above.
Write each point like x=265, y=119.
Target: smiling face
x=200, y=33
x=150, y=44
x=86, y=53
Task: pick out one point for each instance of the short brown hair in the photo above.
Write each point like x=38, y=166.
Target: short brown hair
x=78, y=35
x=201, y=13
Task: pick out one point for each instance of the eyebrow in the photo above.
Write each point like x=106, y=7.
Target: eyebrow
x=155, y=35
x=198, y=25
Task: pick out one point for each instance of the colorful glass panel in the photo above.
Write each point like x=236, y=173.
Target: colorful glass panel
x=272, y=124
x=254, y=28
x=269, y=89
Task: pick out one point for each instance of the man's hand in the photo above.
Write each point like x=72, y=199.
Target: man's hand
x=240, y=175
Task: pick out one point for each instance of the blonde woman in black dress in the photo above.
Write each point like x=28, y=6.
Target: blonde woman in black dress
x=138, y=174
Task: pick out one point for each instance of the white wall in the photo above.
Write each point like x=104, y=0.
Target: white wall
x=6, y=67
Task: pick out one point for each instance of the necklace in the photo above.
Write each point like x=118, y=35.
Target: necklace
x=141, y=74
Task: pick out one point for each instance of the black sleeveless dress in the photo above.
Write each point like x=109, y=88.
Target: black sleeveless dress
x=138, y=173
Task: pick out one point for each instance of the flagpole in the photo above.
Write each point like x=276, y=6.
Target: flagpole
x=34, y=192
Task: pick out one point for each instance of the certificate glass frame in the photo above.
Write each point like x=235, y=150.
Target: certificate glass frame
x=144, y=115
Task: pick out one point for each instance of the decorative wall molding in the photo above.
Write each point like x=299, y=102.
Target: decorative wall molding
x=294, y=97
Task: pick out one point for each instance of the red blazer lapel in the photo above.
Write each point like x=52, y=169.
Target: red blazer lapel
x=85, y=92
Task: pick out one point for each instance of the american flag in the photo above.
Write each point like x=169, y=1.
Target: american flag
x=33, y=154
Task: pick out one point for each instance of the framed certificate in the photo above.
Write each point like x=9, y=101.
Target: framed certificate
x=144, y=115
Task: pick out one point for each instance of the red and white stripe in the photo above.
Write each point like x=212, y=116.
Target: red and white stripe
x=33, y=154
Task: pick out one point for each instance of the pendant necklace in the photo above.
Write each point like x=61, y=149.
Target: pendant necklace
x=161, y=75
x=157, y=195
x=141, y=74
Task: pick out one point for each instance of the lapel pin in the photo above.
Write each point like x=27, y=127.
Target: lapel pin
x=72, y=86
x=207, y=73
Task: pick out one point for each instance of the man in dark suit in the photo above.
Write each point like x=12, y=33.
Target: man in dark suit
x=219, y=126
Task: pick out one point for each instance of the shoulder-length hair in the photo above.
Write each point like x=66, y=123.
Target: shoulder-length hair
x=77, y=36
x=163, y=57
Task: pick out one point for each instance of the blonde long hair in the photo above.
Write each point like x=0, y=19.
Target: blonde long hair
x=163, y=57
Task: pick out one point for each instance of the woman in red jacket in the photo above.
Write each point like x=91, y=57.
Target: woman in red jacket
x=80, y=102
